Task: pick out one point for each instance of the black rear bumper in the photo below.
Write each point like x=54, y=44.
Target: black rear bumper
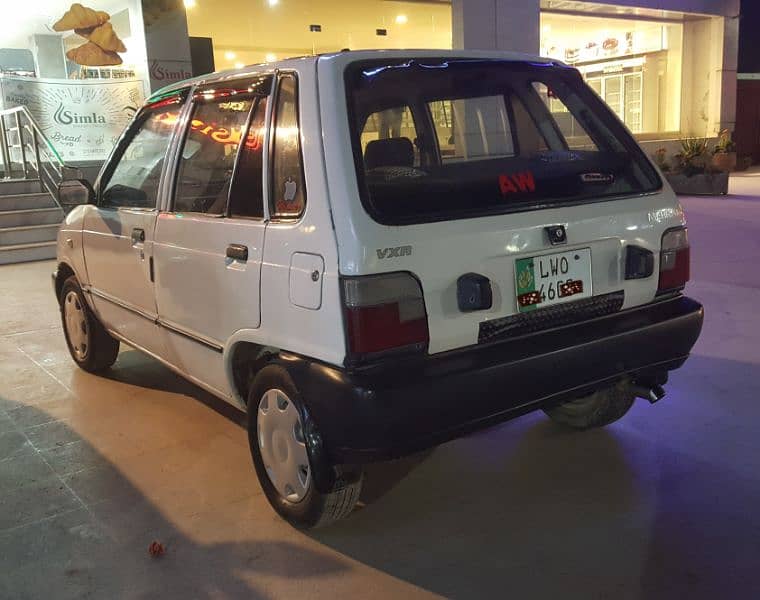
x=392, y=409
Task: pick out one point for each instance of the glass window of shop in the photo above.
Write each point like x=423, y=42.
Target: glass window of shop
x=269, y=30
x=79, y=68
x=634, y=64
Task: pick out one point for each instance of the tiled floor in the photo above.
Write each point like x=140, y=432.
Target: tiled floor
x=661, y=505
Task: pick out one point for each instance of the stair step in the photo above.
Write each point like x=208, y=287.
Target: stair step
x=27, y=200
x=30, y=216
x=20, y=186
x=28, y=234
x=27, y=252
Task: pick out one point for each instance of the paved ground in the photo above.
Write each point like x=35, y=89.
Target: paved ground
x=663, y=504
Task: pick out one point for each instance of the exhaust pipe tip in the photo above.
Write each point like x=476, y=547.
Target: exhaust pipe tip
x=652, y=393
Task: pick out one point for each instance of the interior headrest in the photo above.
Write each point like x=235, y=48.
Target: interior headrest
x=389, y=152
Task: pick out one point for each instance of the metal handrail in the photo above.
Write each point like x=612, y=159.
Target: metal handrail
x=37, y=152
x=31, y=121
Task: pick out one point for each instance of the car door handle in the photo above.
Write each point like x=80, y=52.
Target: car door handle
x=238, y=252
x=138, y=236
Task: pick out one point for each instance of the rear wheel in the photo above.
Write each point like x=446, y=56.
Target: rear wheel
x=90, y=345
x=284, y=463
x=601, y=408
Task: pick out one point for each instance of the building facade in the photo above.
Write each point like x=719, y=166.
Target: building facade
x=747, y=133
x=666, y=67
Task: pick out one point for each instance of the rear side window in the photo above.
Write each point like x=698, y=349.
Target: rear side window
x=247, y=194
x=287, y=187
x=483, y=137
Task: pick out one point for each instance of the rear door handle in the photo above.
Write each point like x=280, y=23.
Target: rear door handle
x=138, y=236
x=238, y=252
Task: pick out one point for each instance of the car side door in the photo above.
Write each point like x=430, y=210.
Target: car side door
x=118, y=229
x=209, y=242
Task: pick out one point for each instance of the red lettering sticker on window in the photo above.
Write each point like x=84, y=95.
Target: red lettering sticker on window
x=517, y=182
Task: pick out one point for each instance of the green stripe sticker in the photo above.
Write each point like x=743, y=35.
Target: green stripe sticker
x=526, y=281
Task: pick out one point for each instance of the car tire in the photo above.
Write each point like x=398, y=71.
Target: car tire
x=598, y=409
x=283, y=460
x=90, y=345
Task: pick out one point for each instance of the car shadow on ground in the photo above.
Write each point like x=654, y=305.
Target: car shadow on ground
x=652, y=507
x=55, y=545
x=134, y=368
x=647, y=508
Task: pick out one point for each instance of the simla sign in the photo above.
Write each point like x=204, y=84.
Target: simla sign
x=165, y=72
x=167, y=43
x=64, y=116
x=82, y=119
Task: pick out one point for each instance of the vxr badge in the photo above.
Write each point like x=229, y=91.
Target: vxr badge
x=396, y=252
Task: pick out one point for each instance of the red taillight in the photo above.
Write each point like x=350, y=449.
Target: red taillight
x=384, y=312
x=674, y=260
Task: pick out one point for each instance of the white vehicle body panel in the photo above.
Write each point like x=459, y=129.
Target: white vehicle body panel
x=118, y=272
x=202, y=296
x=70, y=249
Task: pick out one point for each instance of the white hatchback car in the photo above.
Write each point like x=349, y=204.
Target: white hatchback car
x=376, y=252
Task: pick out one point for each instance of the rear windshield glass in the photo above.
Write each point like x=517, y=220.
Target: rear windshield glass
x=438, y=139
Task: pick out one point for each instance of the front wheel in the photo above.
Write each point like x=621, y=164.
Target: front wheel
x=90, y=345
x=283, y=461
x=601, y=408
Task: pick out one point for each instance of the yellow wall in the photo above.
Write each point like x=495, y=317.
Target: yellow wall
x=253, y=31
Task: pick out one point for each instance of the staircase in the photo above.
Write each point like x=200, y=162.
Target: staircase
x=30, y=172
x=29, y=219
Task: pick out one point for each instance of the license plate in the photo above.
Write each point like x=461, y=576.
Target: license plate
x=552, y=279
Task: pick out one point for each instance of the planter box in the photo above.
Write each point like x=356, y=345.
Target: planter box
x=724, y=161
x=703, y=184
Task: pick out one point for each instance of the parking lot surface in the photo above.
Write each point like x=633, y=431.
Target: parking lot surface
x=663, y=504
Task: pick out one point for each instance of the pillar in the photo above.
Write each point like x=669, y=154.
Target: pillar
x=496, y=25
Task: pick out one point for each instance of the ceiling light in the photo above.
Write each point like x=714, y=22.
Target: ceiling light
x=270, y=57
x=239, y=65
x=229, y=55
x=273, y=2
x=189, y=3
x=401, y=19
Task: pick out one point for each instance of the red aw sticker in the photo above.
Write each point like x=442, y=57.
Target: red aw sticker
x=517, y=182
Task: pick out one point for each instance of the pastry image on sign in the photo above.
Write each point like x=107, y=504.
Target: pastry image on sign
x=92, y=55
x=104, y=36
x=93, y=25
x=80, y=17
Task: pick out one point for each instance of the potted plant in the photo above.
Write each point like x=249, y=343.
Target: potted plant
x=724, y=153
x=693, y=173
x=692, y=159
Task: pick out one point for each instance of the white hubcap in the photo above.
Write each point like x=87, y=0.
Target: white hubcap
x=282, y=445
x=76, y=325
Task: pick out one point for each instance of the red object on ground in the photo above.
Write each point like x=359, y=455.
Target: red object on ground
x=156, y=549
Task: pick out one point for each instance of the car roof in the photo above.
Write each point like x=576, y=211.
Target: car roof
x=338, y=60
